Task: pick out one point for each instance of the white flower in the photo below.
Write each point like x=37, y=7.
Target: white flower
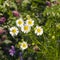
x=25, y=28
x=14, y=31
x=30, y=22
x=19, y=22
x=38, y=30
x=24, y=45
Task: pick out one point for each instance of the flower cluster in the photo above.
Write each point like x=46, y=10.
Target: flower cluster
x=25, y=27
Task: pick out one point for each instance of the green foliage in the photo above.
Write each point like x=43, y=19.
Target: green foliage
x=45, y=16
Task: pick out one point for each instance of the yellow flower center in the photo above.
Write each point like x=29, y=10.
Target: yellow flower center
x=24, y=45
x=29, y=22
x=19, y=22
x=38, y=30
x=26, y=27
x=14, y=30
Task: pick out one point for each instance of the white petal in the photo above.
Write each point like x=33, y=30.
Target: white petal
x=38, y=34
x=11, y=33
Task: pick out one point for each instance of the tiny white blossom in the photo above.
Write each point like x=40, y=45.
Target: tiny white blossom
x=23, y=45
x=25, y=28
x=38, y=30
x=14, y=31
x=30, y=22
x=19, y=22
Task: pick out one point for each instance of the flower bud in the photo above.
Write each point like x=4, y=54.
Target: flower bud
x=15, y=13
x=2, y=20
x=48, y=3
